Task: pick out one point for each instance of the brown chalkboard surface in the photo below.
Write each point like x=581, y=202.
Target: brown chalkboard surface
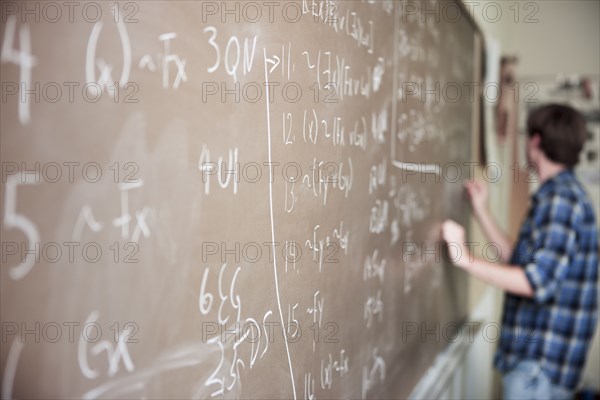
x=230, y=199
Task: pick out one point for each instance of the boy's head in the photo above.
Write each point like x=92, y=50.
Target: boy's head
x=556, y=133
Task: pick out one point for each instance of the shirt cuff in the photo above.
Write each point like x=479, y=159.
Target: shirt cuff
x=540, y=291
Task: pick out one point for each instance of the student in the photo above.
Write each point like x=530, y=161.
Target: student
x=551, y=276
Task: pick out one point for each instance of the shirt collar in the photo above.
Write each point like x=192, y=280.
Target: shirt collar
x=549, y=184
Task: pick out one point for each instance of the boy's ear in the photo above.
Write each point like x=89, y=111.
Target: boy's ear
x=536, y=139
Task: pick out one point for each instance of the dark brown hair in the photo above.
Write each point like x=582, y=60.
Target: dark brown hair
x=562, y=131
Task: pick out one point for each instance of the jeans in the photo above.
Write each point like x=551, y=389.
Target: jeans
x=527, y=381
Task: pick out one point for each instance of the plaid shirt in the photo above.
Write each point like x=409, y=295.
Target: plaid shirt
x=558, y=250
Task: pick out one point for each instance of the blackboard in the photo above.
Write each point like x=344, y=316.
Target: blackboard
x=230, y=199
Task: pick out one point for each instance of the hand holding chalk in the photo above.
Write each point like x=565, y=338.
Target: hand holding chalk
x=454, y=235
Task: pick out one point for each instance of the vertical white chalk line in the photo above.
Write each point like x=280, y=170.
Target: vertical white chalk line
x=10, y=369
x=395, y=90
x=273, y=227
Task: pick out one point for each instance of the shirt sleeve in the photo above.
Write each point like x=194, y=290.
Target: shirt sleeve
x=554, y=246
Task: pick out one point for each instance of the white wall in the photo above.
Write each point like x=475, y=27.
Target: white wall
x=565, y=40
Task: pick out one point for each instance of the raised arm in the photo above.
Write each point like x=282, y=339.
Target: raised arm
x=478, y=196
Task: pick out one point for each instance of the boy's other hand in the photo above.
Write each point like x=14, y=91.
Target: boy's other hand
x=478, y=195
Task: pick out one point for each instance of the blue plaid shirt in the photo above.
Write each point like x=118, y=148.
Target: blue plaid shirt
x=558, y=250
